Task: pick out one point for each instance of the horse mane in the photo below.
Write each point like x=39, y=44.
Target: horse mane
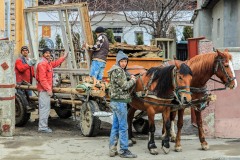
x=163, y=76
x=203, y=62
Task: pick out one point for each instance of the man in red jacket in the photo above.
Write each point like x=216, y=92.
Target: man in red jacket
x=24, y=68
x=44, y=77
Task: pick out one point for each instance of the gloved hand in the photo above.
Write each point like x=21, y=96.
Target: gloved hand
x=31, y=62
x=50, y=93
x=65, y=55
x=133, y=78
x=85, y=46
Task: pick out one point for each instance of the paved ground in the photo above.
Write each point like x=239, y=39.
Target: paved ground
x=67, y=143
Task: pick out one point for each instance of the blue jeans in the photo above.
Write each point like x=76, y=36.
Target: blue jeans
x=97, y=69
x=120, y=126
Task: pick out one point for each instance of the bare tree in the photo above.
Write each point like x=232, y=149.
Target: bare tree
x=154, y=15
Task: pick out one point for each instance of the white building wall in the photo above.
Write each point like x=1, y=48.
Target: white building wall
x=115, y=20
x=217, y=13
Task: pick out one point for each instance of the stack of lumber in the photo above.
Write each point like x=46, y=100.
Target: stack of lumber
x=134, y=50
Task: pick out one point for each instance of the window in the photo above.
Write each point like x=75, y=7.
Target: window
x=118, y=38
x=218, y=28
x=116, y=30
x=7, y=19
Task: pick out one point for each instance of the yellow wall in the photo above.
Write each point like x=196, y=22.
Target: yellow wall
x=2, y=16
x=20, y=26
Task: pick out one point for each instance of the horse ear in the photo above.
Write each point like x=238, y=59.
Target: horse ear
x=226, y=50
x=174, y=57
x=177, y=64
x=220, y=53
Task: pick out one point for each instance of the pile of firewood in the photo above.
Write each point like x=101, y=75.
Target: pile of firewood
x=134, y=50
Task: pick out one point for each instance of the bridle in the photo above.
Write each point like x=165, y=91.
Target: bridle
x=220, y=64
x=178, y=89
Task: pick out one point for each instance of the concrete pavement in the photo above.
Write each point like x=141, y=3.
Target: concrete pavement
x=49, y=147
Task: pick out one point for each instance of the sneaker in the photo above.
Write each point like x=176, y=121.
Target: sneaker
x=48, y=130
x=113, y=153
x=127, y=154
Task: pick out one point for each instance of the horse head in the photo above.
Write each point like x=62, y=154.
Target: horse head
x=224, y=69
x=181, y=82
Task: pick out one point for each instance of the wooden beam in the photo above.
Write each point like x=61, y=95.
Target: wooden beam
x=86, y=27
x=63, y=101
x=80, y=71
x=55, y=90
x=44, y=8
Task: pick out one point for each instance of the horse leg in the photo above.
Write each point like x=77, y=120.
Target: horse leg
x=131, y=138
x=204, y=144
x=172, y=129
x=178, y=147
x=151, y=143
x=166, y=121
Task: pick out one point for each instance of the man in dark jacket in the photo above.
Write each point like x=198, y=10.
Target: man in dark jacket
x=120, y=96
x=100, y=52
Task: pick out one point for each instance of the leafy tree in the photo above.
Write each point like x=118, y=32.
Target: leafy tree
x=42, y=43
x=109, y=33
x=139, y=39
x=59, y=44
x=187, y=33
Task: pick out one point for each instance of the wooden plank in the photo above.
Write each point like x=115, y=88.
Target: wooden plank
x=31, y=36
x=69, y=34
x=55, y=90
x=88, y=36
x=44, y=8
x=79, y=71
x=63, y=101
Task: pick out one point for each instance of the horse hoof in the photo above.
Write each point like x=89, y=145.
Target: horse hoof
x=154, y=151
x=173, y=139
x=163, y=136
x=205, y=147
x=165, y=150
x=134, y=141
x=178, y=149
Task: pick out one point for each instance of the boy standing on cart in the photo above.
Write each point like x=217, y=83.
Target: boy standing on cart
x=120, y=96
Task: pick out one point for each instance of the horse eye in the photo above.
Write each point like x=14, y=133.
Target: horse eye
x=226, y=65
x=180, y=77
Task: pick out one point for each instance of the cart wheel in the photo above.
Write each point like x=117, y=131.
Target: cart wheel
x=64, y=111
x=89, y=124
x=21, y=114
x=141, y=125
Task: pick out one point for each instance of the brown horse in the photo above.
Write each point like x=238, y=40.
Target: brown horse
x=203, y=66
x=150, y=88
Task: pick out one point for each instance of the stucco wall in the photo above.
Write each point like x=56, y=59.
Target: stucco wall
x=203, y=24
x=217, y=13
x=231, y=38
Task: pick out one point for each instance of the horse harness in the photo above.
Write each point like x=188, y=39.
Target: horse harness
x=146, y=93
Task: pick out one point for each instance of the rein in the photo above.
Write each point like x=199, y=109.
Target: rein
x=220, y=64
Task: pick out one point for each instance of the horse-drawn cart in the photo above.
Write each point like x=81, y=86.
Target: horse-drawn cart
x=74, y=94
